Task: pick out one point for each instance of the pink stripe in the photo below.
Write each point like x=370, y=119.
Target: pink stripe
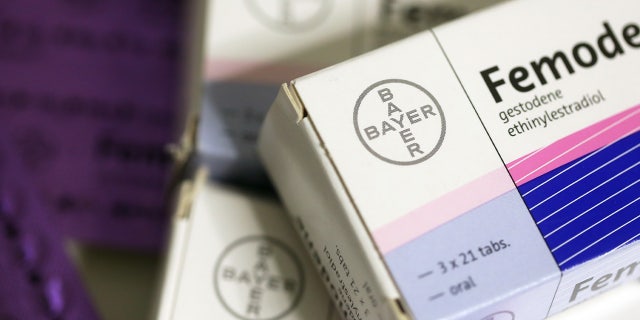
x=575, y=145
x=442, y=210
x=253, y=71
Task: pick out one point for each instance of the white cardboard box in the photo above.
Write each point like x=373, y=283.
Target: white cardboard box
x=234, y=255
x=484, y=169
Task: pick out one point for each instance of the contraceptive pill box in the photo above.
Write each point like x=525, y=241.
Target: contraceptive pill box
x=486, y=169
x=235, y=255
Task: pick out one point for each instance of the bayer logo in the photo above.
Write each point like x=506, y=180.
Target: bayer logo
x=399, y=122
x=290, y=15
x=259, y=278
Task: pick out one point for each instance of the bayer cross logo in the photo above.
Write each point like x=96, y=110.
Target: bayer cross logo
x=259, y=278
x=290, y=15
x=399, y=122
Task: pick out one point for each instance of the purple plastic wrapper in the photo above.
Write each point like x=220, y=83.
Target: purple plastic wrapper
x=38, y=281
x=88, y=103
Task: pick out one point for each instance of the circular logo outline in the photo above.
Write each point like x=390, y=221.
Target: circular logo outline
x=381, y=157
x=268, y=21
x=285, y=248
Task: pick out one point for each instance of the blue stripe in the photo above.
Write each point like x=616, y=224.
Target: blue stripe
x=584, y=194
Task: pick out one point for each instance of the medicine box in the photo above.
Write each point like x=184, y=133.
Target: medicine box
x=486, y=169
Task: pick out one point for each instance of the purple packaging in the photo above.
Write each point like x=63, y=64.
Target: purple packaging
x=88, y=102
x=38, y=279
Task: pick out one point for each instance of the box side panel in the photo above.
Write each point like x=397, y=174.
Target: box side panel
x=322, y=212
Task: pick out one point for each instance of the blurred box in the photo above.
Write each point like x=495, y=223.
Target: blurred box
x=89, y=100
x=249, y=48
x=235, y=255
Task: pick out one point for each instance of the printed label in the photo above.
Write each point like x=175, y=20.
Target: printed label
x=483, y=249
